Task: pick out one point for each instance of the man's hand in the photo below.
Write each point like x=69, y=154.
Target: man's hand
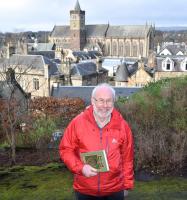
x=89, y=171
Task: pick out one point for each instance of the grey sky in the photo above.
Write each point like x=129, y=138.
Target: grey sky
x=34, y=15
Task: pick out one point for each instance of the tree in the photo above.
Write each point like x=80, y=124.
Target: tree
x=13, y=108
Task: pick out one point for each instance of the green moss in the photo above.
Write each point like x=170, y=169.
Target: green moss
x=54, y=182
x=41, y=183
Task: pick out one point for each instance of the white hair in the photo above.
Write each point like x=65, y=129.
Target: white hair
x=104, y=85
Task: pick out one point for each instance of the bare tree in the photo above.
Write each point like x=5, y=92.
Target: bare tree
x=13, y=108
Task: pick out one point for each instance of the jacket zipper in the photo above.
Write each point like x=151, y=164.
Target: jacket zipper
x=99, y=177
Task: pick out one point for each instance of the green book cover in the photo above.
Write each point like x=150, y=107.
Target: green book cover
x=96, y=159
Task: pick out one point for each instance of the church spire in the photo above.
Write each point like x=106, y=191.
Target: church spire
x=77, y=6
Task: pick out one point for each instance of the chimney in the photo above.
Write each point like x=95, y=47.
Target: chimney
x=10, y=76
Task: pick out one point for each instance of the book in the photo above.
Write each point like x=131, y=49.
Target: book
x=96, y=159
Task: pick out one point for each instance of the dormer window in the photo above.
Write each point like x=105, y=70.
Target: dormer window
x=167, y=64
x=184, y=65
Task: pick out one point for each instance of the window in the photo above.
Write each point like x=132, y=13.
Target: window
x=134, y=49
x=114, y=49
x=141, y=48
x=127, y=49
x=36, y=83
x=168, y=66
x=184, y=65
x=108, y=49
x=121, y=49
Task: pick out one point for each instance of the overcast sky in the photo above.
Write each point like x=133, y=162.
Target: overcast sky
x=34, y=15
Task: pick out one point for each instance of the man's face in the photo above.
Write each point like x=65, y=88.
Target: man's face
x=103, y=102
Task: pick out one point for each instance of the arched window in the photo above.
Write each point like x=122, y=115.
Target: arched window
x=141, y=48
x=108, y=49
x=127, y=49
x=121, y=49
x=134, y=49
x=114, y=48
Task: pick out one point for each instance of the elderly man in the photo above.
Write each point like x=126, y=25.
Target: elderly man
x=99, y=127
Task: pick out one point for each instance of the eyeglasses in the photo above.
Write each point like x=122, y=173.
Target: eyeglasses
x=101, y=102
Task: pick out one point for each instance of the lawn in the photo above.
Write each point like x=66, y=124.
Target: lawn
x=54, y=182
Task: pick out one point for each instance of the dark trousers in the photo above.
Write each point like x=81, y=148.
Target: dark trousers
x=114, y=196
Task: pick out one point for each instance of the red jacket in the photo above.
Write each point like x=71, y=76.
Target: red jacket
x=83, y=135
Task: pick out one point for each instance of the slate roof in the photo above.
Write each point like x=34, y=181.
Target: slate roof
x=176, y=59
x=61, y=31
x=132, y=68
x=83, y=69
x=84, y=55
x=40, y=46
x=122, y=73
x=174, y=48
x=48, y=54
x=31, y=61
x=105, y=30
x=128, y=31
x=84, y=92
x=96, y=30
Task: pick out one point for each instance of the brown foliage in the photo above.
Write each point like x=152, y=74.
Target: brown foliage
x=56, y=107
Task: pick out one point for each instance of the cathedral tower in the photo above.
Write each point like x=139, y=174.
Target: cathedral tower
x=77, y=28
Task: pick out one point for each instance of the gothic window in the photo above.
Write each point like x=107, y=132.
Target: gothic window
x=114, y=48
x=134, y=49
x=127, y=49
x=108, y=49
x=120, y=49
x=141, y=48
x=35, y=83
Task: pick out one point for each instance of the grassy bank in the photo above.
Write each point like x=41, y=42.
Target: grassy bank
x=54, y=182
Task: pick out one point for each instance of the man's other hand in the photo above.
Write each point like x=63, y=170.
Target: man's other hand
x=89, y=171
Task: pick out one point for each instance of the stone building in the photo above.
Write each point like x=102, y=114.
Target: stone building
x=116, y=41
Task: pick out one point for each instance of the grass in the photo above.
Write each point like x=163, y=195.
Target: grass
x=54, y=182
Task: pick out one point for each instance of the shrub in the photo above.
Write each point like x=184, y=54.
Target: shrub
x=39, y=136
x=46, y=115
x=158, y=117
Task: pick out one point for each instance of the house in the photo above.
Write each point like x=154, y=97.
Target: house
x=112, y=40
x=170, y=66
x=135, y=74
x=84, y=73
x=172, y=49
x=35, y=73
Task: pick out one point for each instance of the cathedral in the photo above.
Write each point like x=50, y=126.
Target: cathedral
x=133, y=41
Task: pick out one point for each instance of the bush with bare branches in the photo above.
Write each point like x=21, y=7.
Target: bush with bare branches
x=158, y=116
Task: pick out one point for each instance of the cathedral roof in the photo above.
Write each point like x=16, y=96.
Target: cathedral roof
x=96, y=30
x=104, y=30
x=61, y=31
x=128, y=31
